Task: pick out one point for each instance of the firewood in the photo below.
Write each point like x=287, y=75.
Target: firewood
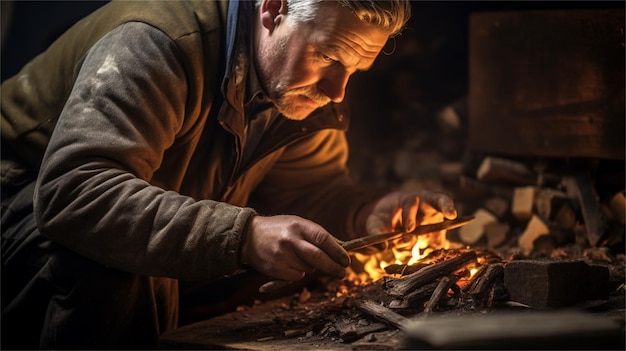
x=491, y=273
x=534, y=229
x=415, y=298
x=523, y=202
x=501, y=170
x=566, y=217
x=404, y=269
x=479, y=273
x=401, y=286
x=496, y=233
x=581, y=185
x=381, y=313
x=474, y=231
x=548, y=202
x=497, y=205
x=442, y=289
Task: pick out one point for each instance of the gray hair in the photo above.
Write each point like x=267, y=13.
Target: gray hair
x=388, y=15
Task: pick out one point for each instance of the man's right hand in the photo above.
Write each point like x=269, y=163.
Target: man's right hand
x=287, y=247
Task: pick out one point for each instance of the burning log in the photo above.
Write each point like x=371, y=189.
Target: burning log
x=402, y=286
x=480, y=284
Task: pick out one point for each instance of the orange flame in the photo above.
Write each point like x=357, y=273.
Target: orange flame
x=402, y=252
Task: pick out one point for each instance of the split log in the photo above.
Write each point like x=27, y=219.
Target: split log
x=472, y=232
x=402, y=286
x=534, y=229
x=501, y=170
x=523, y=202
x=581, y=185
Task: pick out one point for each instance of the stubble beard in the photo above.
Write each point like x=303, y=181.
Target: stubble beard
x=289, y=102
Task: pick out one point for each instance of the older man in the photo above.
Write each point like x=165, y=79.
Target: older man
x=166, y=141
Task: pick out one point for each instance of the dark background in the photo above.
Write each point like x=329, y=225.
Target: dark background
x=395, y=101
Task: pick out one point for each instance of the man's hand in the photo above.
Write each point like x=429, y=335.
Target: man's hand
x=405, y=210
x=286, y=247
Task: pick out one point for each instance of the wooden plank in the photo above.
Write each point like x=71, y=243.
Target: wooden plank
x=547, y=83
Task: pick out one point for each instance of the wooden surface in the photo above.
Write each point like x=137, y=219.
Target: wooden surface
x=547, y=83
x=272, y=325
x=292, y=324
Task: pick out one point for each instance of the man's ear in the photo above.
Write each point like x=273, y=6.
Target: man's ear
x=270, y=11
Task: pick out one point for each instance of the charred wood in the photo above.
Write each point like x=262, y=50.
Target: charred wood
x=381, y=313
x=442, y=288
x=404, y=269
x=404, y=285
x=416, y=298
x=483, y=283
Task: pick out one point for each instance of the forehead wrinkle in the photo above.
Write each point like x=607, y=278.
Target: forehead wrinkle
x=349, y=52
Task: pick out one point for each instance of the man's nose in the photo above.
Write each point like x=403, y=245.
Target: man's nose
x=334, y=86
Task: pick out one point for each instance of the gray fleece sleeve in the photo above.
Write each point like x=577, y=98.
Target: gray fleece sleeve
x=94, y=194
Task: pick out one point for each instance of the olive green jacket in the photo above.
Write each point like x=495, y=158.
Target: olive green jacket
x=138, y=139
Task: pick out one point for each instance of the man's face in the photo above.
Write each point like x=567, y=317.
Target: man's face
x=305, y=68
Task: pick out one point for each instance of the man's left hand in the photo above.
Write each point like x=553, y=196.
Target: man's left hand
x=405, y=210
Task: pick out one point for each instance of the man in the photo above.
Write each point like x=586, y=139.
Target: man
x=183, y=141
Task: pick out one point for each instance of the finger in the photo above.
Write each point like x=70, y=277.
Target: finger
x=329, y=245
x=318, y=258
x=440, y=202
x=410, y=207
x=446, y=206
x=273, y=285
x=289, y=272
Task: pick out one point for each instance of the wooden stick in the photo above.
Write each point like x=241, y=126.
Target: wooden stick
x=369, y=240
x=382, y=313
x=440, y=291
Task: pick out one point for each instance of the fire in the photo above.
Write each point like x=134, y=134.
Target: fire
x=401, y=253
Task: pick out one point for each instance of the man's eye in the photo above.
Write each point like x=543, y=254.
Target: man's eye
x=327, y=58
